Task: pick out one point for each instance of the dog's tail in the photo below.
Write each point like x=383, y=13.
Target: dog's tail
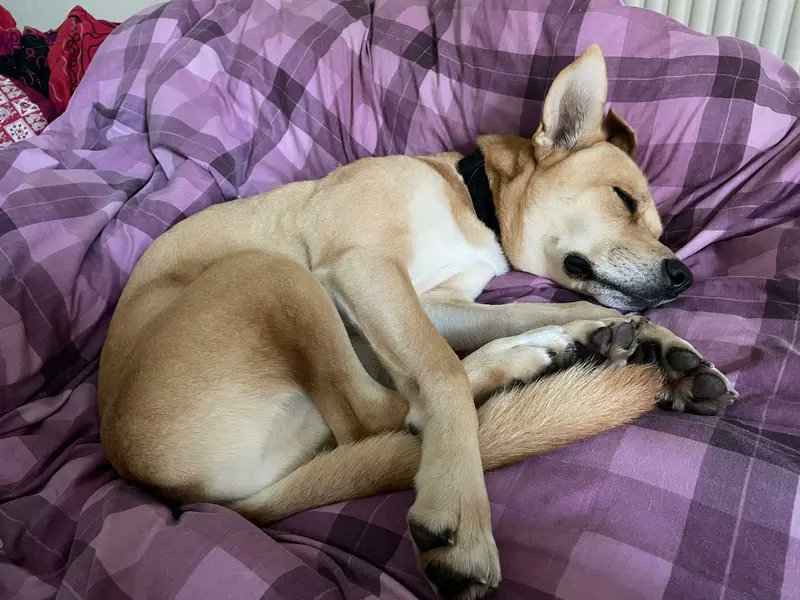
x=514, y=424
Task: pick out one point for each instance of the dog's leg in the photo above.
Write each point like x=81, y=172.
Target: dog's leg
x=517, y=359
x=352, y=403
x=530, y=355
x=304, y=332
x=467, y=325
x=450, y=518
x=520, y=421
x=242, y=378
x=515, y=423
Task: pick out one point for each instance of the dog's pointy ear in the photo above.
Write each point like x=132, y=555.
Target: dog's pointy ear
x=619, y=133
x=574, y=107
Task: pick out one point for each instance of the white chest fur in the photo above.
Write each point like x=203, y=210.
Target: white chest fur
x=442, y=252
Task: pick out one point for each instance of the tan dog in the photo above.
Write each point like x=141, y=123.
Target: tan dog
x=323, y=316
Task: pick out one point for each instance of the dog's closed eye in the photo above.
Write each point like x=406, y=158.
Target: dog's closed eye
x=627, y=199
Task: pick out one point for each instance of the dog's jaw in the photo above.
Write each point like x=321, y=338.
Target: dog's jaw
x=625, y=302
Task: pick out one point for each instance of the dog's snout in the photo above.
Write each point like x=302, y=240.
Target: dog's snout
x=679, y=275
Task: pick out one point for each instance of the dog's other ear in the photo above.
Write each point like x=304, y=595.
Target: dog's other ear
x=573, y=108
x=619, y=133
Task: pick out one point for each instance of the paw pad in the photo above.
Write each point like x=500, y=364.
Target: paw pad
x=624, y=335
x=681, y=359
x=600, y=339
x=707, y=385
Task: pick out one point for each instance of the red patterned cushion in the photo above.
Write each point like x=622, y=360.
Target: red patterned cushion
x=75, y=45
x=20, y=116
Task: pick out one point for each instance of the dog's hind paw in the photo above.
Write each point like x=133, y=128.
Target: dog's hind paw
x=605, y=340
x=691, y=383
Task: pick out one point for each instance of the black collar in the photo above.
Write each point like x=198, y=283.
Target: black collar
x=473, y=170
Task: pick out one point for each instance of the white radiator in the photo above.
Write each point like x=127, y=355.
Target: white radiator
x=771, y=24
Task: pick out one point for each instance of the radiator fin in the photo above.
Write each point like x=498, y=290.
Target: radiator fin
x=771, y=24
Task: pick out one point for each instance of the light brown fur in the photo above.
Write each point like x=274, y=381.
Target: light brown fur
x=266, y=353
x=515, y=424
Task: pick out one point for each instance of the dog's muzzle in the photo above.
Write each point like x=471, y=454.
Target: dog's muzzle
x=663, y=283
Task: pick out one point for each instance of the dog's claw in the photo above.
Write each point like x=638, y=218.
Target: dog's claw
x=426, y=540
x=451, y=584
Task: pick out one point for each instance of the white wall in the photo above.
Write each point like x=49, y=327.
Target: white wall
x=772, y=24
x=49, y=14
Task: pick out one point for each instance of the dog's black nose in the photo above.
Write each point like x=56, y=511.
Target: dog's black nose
x=679, y=275
x=577, y=267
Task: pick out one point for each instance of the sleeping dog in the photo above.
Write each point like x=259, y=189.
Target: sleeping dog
x=297, y=348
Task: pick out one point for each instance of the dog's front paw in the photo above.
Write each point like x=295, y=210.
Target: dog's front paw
x=461, y=563
x=691, y=383
x=456, y=546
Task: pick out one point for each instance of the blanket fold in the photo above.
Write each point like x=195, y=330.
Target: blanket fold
x=196, y=102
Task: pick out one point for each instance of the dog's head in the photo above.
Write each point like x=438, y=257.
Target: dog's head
x=582, y=212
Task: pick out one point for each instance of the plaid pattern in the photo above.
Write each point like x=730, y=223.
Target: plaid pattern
x=196, y=102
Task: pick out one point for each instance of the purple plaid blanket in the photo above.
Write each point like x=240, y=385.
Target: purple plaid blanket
x=196, y=102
